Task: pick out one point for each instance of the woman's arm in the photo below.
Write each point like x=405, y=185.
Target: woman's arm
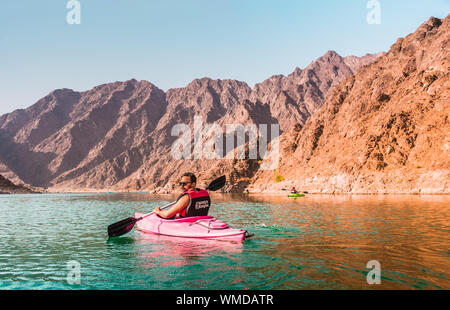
x=178, y=207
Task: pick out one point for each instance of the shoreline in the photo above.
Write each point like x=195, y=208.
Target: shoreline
x=250, y=194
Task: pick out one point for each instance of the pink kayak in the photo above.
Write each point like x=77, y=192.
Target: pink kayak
x=203, y=227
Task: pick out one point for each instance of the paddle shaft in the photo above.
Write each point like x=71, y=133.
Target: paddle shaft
x=214, y=186
x=162, y=208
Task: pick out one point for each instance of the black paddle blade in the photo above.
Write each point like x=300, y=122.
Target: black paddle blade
x=122, y=227
x=217, y=184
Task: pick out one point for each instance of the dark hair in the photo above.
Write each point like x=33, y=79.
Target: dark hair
x=191, y=176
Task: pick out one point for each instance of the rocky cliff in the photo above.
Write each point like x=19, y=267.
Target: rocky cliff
x=118, y=135
x=384, y=130
x=7, y=187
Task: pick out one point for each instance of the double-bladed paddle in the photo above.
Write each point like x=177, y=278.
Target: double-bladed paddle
x=122, y=227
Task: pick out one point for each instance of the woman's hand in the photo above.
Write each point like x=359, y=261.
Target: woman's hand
x=156, y=210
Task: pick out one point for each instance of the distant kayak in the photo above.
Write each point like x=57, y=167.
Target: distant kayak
x=202, y=227
x=296, y=195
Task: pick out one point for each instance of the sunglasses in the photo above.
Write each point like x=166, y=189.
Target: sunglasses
x=184, y=183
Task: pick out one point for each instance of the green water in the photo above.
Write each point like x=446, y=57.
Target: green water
x=313, y=242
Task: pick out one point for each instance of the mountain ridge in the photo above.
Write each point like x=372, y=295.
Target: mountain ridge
x=384, y=130
x=103, y=136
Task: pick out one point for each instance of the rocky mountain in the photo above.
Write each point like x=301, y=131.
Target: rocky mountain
x=7, y=187
x=384, y=130
x=119, y=135
x=294, y=98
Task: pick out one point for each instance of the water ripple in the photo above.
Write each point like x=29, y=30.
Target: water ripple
x=314, y=243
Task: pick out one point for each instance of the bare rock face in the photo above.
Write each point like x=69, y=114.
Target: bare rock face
x=293, y=99
x=119, y=135
x=67, y=134
x=384, y=130
x=8, y=187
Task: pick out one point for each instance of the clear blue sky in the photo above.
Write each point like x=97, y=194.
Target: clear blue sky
x=172, y=42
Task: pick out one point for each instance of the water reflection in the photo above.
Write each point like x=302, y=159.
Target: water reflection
x=159, y=250
x=313, y=242
x=338, y=235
